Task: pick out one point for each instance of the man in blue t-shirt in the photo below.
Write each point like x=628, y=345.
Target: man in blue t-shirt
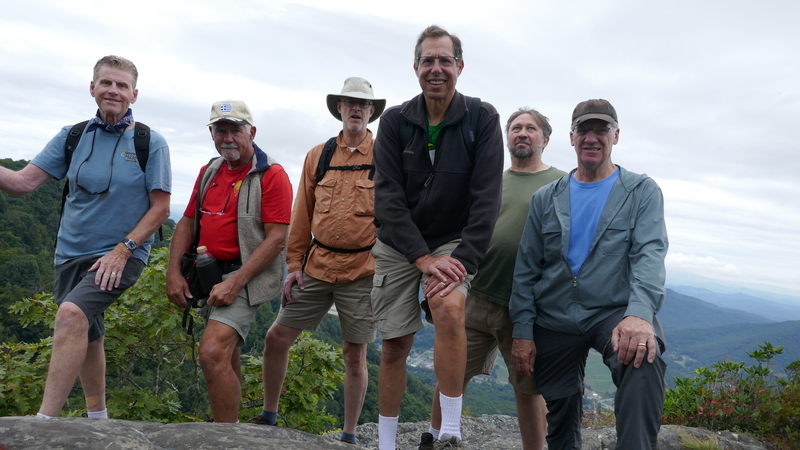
x=113, y=207
x=590, y=274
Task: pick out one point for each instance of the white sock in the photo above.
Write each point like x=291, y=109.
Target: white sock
x=42, y=416
x=434, y=432
x=451, y=415
x=387, y=432
x=98, y=414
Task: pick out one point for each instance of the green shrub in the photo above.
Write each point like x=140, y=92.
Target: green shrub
x=736, y=397
x=314, y=372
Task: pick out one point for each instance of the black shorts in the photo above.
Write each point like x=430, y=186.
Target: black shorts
x=74, y=284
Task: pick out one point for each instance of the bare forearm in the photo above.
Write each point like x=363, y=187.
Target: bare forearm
x=23, y=182
x=154, y=218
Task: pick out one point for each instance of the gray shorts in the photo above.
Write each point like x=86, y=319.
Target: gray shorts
x=396, y=290
x=238, y=315
x=489, y=330
x=74, y=284
x=352, y=300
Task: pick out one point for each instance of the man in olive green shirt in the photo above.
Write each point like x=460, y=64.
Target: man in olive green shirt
x=488, y=322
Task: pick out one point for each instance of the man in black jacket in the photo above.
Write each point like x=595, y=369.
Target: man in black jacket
x=439, y=164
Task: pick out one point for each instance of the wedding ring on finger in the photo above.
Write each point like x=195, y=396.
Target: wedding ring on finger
x=442, y=284
x=642, y=344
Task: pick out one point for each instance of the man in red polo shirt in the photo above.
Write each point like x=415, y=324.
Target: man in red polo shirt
x=241, y=208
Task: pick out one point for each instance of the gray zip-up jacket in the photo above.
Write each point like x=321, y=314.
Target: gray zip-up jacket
x=624, y=268
x=267, y=285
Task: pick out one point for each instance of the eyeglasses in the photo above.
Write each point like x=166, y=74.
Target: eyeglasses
x=225, y=206
x=363, y=104
x=600, y=131
x=429, y=61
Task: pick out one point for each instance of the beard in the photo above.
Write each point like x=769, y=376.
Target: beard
x=522, y=152
x=229, y=152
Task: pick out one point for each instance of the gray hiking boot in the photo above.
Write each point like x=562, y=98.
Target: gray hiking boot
x=447, y=442
x=426, y=442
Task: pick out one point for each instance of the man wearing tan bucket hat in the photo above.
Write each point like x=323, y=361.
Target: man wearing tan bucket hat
x=328, y=252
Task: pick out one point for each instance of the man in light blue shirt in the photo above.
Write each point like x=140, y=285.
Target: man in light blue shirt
x=115, y=203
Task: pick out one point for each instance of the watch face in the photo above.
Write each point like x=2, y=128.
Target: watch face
x=130, y=244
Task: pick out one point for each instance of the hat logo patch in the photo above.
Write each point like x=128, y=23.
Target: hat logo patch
x=225, y=108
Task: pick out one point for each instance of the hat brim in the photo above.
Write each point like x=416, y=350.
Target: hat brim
x=378, y=103
x=237, y=122
x=586, y=117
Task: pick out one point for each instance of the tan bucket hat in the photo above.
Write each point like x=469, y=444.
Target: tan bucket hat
x=360, y=88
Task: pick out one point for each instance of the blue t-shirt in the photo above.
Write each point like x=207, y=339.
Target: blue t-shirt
x=586, y=202
x=108, y=192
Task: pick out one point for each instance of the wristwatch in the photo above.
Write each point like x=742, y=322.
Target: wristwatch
x=130, y=244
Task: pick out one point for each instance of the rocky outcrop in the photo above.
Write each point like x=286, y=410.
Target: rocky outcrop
x=502, y=433
x=486, y=432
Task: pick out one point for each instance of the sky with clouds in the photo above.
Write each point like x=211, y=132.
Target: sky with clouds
x=706, y=92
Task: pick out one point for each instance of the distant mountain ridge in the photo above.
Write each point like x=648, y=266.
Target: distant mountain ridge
x=771, y=309
x=701, y=333
x=687, y=311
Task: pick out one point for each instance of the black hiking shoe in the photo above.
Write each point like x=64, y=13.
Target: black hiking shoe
x=426, y=442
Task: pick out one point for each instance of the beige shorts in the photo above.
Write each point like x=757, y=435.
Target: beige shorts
x=489, y=330
x=238, y=315
x=396, y=290
x=352, y=300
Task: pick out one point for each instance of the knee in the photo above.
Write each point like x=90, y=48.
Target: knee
x=278, y=339
x=395, y=351
x=355, y=357
x=212, y=356
x=69, y=315
x=448, y=313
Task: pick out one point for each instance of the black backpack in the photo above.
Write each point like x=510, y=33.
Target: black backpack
x=325, y=157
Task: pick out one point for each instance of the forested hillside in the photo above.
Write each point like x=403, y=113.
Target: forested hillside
x=28, y=227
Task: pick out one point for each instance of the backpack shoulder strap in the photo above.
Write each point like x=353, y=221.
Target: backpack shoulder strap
x=469, y=124
x=325, y=158
x=141, y=141
x=73, y=138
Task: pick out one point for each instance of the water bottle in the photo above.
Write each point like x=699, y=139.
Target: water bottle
x=203, y=256
x=208, y=271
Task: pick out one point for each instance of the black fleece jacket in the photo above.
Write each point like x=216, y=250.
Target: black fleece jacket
x=420, y=205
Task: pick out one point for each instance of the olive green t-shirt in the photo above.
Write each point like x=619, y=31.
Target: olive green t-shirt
x=496, y=272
